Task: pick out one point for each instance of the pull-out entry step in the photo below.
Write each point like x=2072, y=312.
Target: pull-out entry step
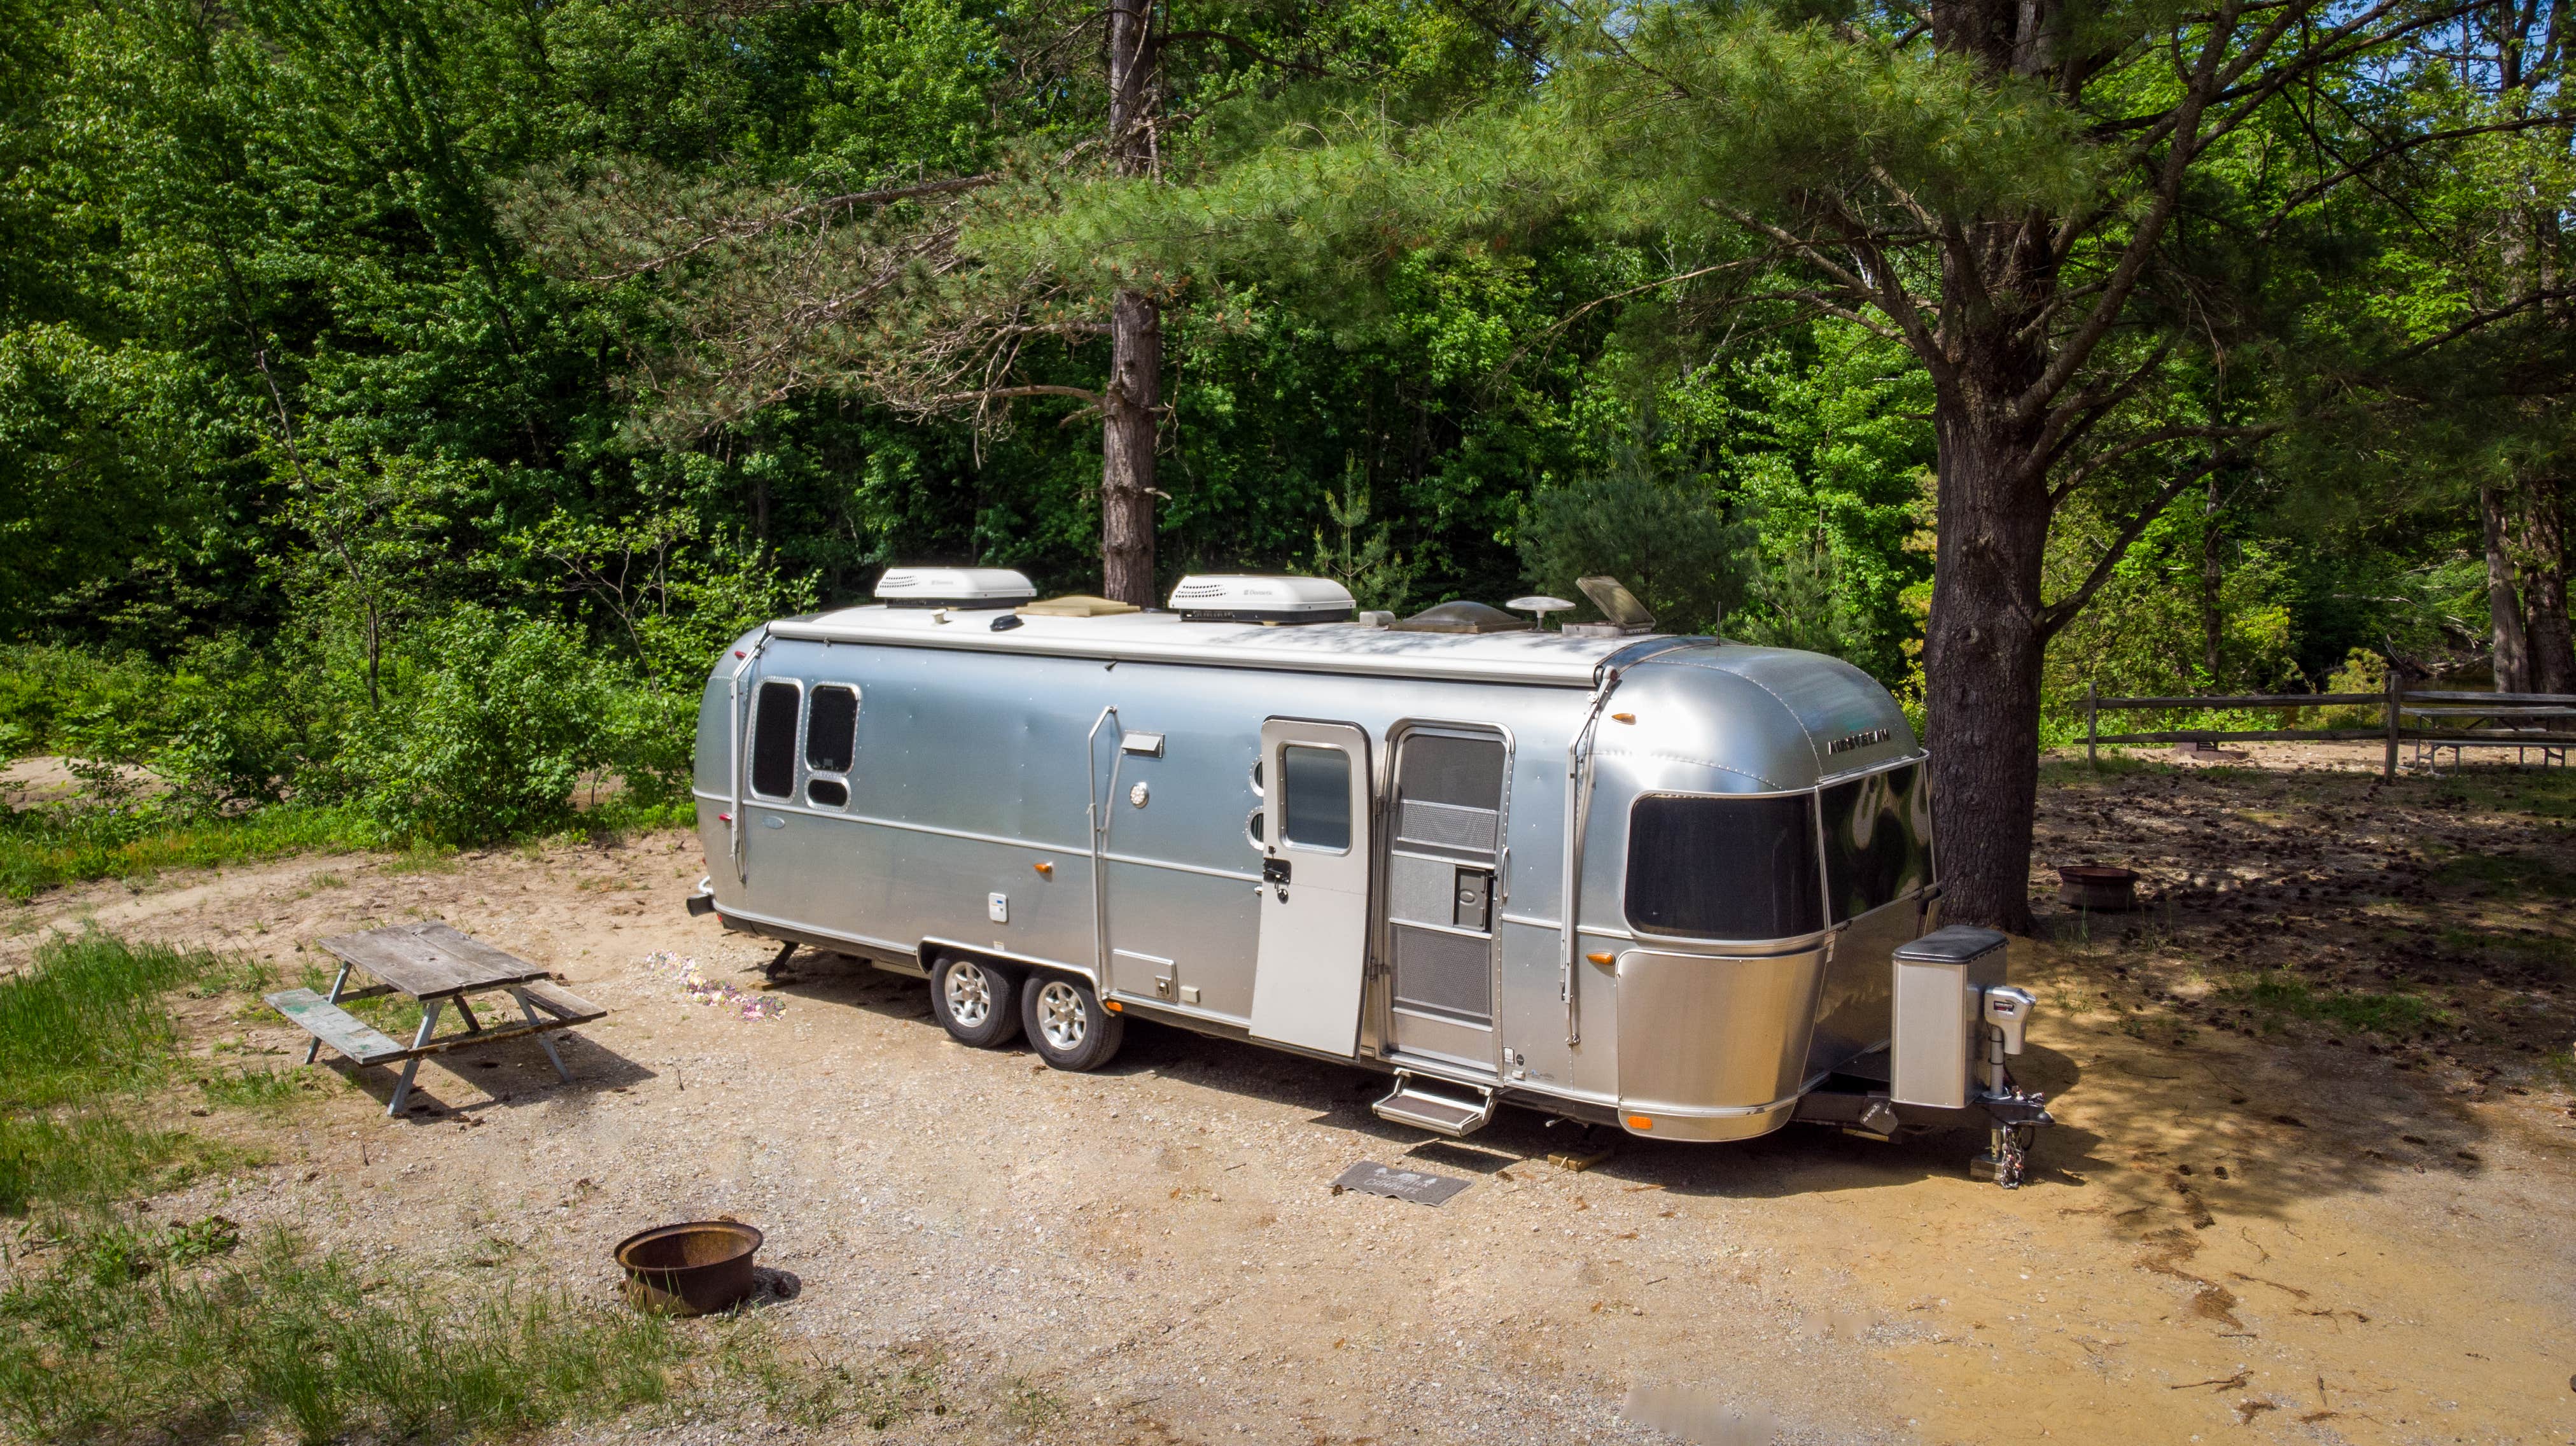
x=1444, y=1109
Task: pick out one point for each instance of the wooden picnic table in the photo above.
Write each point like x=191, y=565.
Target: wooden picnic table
x=437, y=966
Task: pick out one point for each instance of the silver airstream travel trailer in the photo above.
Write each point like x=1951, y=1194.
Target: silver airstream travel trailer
x=1673, y=884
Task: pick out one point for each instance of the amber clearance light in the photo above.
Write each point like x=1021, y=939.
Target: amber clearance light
x=1641, y=1122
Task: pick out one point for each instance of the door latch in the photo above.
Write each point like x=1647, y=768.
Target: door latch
x=1274, y=871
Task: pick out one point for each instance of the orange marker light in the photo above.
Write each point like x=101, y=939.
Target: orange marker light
x=1625, y=717
x=1045, y=870
x=1640, y=1122
x=1113, y=1006
x=1601, y=959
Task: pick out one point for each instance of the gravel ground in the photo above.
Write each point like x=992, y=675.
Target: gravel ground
x=2226, y=1234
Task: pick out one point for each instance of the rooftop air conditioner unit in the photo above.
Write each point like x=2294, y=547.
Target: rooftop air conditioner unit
x=954, y=587
x=1233, y=599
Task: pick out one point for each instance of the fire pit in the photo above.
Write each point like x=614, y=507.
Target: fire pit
x=2105, y=888
x=695, y=1268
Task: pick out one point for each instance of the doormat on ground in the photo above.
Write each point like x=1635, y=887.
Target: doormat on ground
x=1371, y=1178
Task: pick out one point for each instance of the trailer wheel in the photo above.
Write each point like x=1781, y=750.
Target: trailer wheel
x=1067, y=1026
x=974, y=1001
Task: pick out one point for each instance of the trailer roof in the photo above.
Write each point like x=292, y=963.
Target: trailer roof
x=1551, y=659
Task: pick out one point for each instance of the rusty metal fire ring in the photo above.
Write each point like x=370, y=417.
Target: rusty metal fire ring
x=695, y=1268
x=2103, y=888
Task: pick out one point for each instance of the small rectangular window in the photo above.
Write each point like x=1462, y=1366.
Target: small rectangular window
x=1317, y=798
x=1724, y=868
x=1878, y=840
x=832, y=729
x=773, y=740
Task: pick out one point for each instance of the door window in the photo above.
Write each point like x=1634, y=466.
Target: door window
x=1315, y=798
x=773, y=739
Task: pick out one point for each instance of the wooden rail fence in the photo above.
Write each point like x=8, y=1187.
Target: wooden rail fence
x=2440, y=720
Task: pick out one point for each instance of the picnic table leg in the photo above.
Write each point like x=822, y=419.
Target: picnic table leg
x=313, y=1051
x=544, y=1043
x=411, y=1066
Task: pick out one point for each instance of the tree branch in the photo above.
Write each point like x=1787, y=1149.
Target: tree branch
x=744, y=230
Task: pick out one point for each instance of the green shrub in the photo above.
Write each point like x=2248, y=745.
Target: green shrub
x=496, y=723
x=255, y=726
x=72, y=700
x=655, y=744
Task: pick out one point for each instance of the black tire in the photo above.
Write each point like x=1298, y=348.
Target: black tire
x=1067, y=1026
x=976, y=1001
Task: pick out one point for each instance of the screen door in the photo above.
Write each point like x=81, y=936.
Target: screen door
x=1314, y=886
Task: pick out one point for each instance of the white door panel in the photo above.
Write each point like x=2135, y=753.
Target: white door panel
x=1315, y=897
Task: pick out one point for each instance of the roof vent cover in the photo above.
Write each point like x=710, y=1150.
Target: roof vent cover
x=1228, y=598
x=954, y=587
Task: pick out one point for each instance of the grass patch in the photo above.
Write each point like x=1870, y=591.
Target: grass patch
x=813, y=1392
x=123, y=1341
x=422, y=857
x=88, y=1019
x=2558, y=1067
x=2284, y=995
x=44, y=848
x=82, y=1032
x=250, y=1087
x=73, y=1159
x=2519, y=872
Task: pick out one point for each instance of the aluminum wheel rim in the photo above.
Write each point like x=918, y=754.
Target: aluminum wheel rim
x=1061, y=1017
x=970, y=995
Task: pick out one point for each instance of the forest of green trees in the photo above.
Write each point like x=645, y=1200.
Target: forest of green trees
x=402, y=400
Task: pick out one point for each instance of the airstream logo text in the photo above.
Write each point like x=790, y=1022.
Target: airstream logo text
x=1851, y=741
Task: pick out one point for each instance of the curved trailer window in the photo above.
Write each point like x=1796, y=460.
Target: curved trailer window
x=1724, y=867
x=773, y=739
x=1878, y=839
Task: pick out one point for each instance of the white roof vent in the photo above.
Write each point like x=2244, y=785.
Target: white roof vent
x=1227, y=598
x=954, y=587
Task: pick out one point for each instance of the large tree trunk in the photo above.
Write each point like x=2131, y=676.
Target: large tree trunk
x=2504, y=608
x=1131, y=408
x=1130, y=412
x=2544, y=586
x=1983, y=646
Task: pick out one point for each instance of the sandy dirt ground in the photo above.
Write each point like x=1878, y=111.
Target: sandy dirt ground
x=2234, y=1234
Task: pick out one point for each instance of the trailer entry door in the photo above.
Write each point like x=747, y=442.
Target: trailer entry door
x=1441, y=868
x=1315, y=886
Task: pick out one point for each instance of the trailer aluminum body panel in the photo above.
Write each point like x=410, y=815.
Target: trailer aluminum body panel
x=1649, y=879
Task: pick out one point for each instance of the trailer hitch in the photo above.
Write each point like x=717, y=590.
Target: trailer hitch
x=2016, y=1118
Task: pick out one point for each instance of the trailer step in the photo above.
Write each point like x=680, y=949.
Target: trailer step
x=1438, y=1108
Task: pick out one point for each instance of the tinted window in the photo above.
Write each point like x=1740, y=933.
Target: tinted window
x=773, y=740
x=829, y=792
x=1878, y=839
x=1724, y=868
x=832, y=730
x=1317, y=797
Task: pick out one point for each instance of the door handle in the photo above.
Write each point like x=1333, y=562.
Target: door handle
x=1274, y=871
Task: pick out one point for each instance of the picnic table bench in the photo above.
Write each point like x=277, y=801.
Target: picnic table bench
x=437, y=966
